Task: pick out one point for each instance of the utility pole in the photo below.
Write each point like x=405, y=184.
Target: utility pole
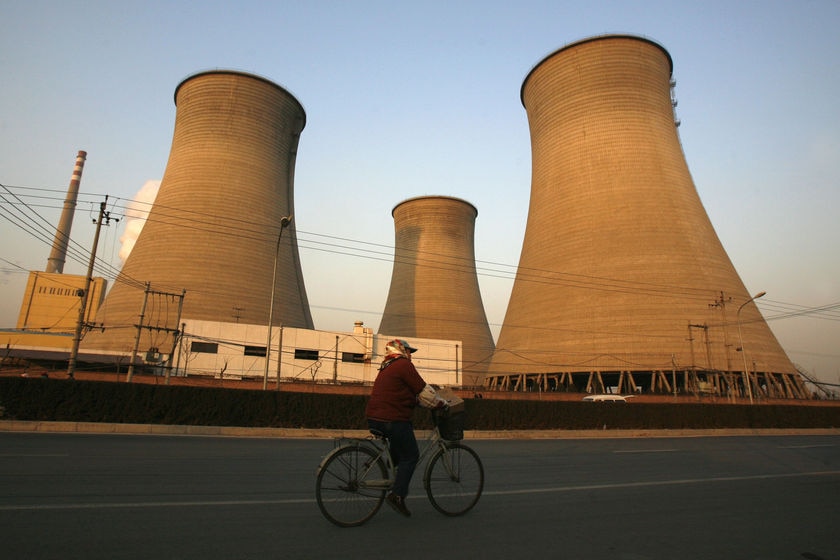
x=335, y=362
x=674, y=373
x=175, y=335
x=80, y=322
x=284, y=223
x=279, y=356
x=694, y=380
x=747, y=375
x=180, y=342
x=140, y=326
x=139, y=329
x=721, y=303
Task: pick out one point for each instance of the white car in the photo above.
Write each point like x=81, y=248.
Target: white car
x=606, y=398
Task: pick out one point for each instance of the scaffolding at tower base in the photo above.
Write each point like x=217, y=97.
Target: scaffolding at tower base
x=689, y=381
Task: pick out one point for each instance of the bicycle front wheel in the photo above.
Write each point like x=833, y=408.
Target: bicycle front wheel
x=342, y=490
x=454, y=479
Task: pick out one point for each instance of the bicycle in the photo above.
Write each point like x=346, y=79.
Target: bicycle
x=353, y=479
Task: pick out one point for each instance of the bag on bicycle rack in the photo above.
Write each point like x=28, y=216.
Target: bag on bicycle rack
x=456, y=403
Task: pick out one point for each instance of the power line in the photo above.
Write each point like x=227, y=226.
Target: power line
x=250, y=231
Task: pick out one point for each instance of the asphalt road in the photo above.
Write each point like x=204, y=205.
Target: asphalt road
x=186, y=497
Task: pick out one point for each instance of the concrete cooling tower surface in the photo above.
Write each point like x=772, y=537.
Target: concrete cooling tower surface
x=620, y=269
x=434, y=289
x=214, y=227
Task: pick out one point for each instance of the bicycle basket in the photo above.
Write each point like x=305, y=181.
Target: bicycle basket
x=450, y=425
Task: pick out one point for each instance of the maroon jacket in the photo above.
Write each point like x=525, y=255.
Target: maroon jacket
x=395, y=391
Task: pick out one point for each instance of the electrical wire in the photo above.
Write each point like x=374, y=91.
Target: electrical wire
x=249, y=231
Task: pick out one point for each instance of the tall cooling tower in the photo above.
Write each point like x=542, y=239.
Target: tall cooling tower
x=214, y=227
x=434, y=288
x=620, y=269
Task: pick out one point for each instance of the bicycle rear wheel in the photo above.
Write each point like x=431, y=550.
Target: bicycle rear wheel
x=341, y=491
x=454, y=479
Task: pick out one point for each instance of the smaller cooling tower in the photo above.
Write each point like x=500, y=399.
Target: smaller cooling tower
x=434, y=288
x=214, y=231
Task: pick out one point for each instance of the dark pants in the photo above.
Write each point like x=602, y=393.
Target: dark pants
x=404, y=451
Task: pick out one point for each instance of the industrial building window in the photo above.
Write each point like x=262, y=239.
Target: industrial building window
x=255, y=351
x=352, y=357
x=302, y=354
x=204, y=347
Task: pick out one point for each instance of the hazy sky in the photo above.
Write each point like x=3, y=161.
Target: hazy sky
x=405, y=100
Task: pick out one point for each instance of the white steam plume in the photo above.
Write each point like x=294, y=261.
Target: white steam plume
x=135, y=216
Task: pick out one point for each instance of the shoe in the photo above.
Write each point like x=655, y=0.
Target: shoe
x=398, y=504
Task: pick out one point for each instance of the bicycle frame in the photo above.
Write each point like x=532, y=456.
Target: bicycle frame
x=433, y=441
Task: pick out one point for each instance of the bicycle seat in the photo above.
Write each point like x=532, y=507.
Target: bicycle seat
x=379, y=434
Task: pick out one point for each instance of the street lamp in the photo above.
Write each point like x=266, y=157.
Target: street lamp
x=284, y=222
x=741, y=341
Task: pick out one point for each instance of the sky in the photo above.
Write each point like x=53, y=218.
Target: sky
x=407, y=99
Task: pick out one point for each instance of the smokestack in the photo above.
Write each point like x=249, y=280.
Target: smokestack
x=62, y=234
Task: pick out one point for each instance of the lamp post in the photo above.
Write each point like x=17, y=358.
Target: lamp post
x=741, y=341
x=284, y=222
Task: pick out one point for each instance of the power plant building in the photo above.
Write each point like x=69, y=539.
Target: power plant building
x=434, y=290
x=622, y=281
x=51, y=302
x=237, y=351
x=215, y=235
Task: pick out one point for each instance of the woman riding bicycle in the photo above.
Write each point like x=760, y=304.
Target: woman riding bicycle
x=397, y=390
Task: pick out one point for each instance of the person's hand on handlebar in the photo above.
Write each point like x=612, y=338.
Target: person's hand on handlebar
x=441, y=405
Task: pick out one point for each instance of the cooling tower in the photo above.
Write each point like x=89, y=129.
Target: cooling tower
x=214, y=230
x=434, y=288
x=621, y=270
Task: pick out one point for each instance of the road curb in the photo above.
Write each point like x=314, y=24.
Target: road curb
x=312, y=433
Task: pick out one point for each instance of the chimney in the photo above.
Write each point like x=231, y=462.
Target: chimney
x=62, y=234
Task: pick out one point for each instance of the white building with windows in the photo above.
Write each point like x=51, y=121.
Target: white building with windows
x=238, y=351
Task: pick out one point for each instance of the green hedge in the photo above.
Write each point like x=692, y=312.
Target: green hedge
x=136, y=403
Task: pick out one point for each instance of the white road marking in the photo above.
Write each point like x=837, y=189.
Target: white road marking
x=557, y=489
x=807, y=446
x=646, y=451
x=619, y=485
